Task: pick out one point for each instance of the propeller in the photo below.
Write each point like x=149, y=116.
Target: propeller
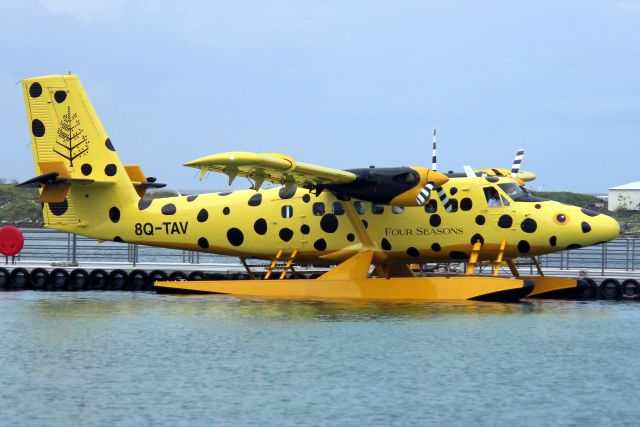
x=424, y=194
x=517, y=162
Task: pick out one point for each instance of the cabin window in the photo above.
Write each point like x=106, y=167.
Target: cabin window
x=338, y=209
x=492, y=196
x=318, y=209
x=431, y=206
x=377, y=209
x=397, y=209
x=286, y=211
x=505, y=202
x=359, y=205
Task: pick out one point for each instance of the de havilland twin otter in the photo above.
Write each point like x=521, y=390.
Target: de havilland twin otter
x=388, y=218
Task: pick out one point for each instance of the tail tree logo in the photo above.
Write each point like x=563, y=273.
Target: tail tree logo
x=71, y=139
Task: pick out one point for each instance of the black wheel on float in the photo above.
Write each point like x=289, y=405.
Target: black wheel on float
x=314, y=276
x=19, y=279
x=629, y=289
x=58, y=279
x=98, y=280
x=610, y=289
x=138, y=280
x=591, y=289
x=118, y=280
x=39, y=278
x=157, y=276
x=216, y=276
x=79, y=280
x=177, y=275
x=5, y=278
x=196, y=275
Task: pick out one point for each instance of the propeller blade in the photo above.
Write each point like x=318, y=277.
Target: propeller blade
x=434, y=157
x=517, y=162
x=446, y=203
x=424, y=194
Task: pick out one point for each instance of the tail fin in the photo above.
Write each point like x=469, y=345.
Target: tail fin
x=75, y=160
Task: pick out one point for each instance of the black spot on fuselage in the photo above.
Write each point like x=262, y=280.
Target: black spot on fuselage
x=385, y=244
x=255, y=200
x=37, y=128
x=458, y=255
x=436, y=247
x=492, y=178
x=110, y=169
x=203, y=215
x=192, y=197
x=35, y=90
x=203, y=243
x=287, y=194
x=329, y=223
x=466, y=204
x=59, y=208
x=524, y=246
x=285, y=234
x=320, y=244
x=226, y=210
x=553, y=240
x=529, y=225
x=168, y=209
x=118, y=239
x=86, y=169
x=435, y=220
x=351, y=237
x=109, y=145
x=477, y=238
x=537, y=206
x=574, y=246
x=585, y=227
x=505, y=221
x=411, y=251
x=365, y=223
x=306, y=198
x=114, y=214
x=235, y=236
x=453, y=191
x=225, y=193
x=60, y=96
x=260, y=226
x=304, y=229
x=480, y=220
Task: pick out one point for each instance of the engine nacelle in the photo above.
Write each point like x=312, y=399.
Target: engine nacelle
x=390, y=186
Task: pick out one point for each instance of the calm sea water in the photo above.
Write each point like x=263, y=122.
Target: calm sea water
x=127, y=359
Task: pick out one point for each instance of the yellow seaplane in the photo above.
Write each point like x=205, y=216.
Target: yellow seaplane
x=369, y=225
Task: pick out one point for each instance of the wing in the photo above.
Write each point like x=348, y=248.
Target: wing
x=272, y=167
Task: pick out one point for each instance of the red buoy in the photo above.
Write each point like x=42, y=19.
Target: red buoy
x=11, y=240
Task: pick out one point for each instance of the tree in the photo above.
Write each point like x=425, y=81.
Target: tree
x=73, y=141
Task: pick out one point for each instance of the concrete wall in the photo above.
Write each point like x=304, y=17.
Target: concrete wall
x=632, y=198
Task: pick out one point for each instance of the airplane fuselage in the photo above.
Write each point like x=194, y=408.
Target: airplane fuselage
x=322, y=228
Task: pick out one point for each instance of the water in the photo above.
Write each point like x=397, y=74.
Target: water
x=146, y=360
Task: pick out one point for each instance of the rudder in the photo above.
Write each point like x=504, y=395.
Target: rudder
x=70, y=143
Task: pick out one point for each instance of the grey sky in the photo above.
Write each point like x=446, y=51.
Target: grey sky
x=342, y=83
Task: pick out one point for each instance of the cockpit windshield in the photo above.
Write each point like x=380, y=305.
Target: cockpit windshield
x=518, y=193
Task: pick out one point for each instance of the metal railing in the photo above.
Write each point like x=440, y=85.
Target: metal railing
x=52, y=245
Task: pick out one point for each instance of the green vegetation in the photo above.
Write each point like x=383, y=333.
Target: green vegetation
x=19, y=206
x=575, y=199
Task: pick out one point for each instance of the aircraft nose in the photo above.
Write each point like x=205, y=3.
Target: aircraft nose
x=608, y=228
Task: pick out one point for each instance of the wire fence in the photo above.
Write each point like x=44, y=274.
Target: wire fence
x=51, y=245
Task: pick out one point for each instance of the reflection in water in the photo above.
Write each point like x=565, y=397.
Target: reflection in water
x=97, y=304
